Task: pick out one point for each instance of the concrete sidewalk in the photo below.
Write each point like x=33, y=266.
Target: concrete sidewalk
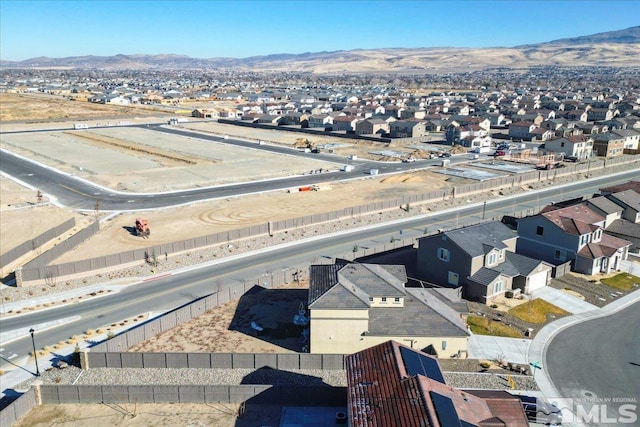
x=487, y=347
x=538, y=347
x=563, y=300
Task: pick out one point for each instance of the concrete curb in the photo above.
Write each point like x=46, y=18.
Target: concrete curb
x=540, y=343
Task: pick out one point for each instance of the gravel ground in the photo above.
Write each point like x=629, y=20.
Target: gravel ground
x=310, y=377
x=198, y=256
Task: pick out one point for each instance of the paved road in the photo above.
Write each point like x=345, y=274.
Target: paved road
x=82, y=195
x=166, y=293
x=599, y=359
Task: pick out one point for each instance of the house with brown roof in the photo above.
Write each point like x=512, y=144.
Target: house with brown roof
x=574, y=233
x=355, y=306
x=579, y=146
x=391, y=384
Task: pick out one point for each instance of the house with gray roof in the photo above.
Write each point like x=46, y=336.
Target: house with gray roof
x=480, y=259
x=630, y=201
x=355, y=306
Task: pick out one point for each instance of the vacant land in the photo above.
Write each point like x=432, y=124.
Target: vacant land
x=43, y=107
x=227, y=328
x=214, y=216
x=146, y=415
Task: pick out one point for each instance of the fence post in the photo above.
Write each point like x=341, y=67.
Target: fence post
x=84, y=359
x=37, y=392
x=19, y=282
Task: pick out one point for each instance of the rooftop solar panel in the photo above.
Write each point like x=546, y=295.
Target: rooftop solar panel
x=416, y=363
x=445, y=410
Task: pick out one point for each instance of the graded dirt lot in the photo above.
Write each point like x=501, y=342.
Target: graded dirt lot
x=36, y=107
x=233, y=213
x=143, y=160
x=23, y=218
x=144, y=415
x=227, y=328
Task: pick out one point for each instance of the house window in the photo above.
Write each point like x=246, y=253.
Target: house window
x=370, y=299
x=562, y=144
x=396, y=300
x=540, y=230
x=384, y=300
x=560, y=255
x=444, y=345
x=498, y=286
x=453, y=278
x=597, y=235
x=492, y=258
x=584, y=239
x=443, y=254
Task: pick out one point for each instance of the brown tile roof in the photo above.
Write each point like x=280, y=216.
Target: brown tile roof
x=576, y=219
x=382, y=393
x=631, y=185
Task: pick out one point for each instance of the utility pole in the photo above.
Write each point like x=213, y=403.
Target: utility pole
x=35, y=355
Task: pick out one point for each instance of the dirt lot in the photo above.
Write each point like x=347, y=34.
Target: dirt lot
x=228, y=214
x=23, y=218
x=227, y=328
x=45, y=108
x=149, y=415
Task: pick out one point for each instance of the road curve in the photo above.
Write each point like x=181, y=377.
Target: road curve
x=599, y=359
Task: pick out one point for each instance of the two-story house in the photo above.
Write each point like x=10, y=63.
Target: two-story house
x=521, y=130
x=574, y=233
x=354, y=306
x=372, y=126
x=481, y=259
x=579, y=146
x=407, y=129
x=608, y=144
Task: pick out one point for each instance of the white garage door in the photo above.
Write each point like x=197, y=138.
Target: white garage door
x=537, y=280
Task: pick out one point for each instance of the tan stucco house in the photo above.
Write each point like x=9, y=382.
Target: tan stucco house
x=355, y=306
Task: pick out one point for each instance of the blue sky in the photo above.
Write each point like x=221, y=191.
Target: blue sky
x=208, y=29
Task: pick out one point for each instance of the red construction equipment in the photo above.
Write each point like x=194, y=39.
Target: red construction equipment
x=142, y=227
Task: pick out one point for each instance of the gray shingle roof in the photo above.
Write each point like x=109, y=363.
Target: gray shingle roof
x=485, y=276
x=623, y=227
x=628, y=198
x=605, y=205
x=517, y=265
x=351, y=285
x=476, y=238
x=423, y=314
x=376, y=280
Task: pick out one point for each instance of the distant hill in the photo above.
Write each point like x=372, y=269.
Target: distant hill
x=630, y=35
x=615, y=48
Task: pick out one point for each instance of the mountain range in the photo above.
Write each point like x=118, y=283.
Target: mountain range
x=615, y=48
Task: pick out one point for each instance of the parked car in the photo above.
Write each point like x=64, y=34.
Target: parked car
x=443, y=155
x=500, y=153
x=539, y=411
x=571, y=159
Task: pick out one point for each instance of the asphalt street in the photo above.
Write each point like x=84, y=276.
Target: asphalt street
x=170, y=292
x=598, y=362
x=79, y=194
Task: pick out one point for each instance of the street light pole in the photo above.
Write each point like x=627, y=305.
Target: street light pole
x=35, y=355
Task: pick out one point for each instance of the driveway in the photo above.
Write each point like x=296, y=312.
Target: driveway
x=563, y=300
x=514, y=350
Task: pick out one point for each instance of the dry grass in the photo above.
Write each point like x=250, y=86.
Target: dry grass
x=622, y=281
x=537, y=311
x=484, y=326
